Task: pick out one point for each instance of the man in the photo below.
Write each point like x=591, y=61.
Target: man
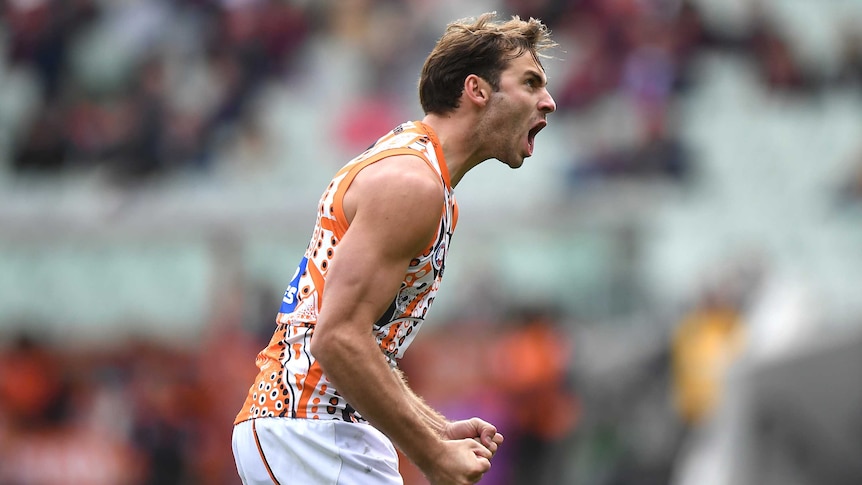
x=329, y=398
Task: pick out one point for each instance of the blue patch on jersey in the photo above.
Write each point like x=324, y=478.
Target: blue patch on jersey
x=288, y=302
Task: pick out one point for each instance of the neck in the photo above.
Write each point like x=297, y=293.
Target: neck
x=457, y=137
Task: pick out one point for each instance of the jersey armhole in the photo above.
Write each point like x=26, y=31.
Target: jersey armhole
x=338, y=198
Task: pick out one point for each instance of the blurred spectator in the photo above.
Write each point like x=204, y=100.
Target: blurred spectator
x=594, y=70
x=43, y=148
x=40, y=34
x=533, y=356
x=689, y=38
x=223, y=370
x=49, y=429
x=779, y=68
x=706, y=342
x=33, y=389
x=658, y=154
x=541, y=9
x=162, y=389
x=850, y=70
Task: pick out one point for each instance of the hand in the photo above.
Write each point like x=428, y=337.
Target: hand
x=477, y=429
x=462, y=462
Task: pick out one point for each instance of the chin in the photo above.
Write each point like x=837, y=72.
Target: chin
x=512, y=163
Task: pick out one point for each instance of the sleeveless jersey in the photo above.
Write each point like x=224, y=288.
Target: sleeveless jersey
x=290, y=382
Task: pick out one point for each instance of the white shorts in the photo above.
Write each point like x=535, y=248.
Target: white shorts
x=313, y=452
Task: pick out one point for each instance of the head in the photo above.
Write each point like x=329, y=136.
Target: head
x=483, y=47
x=489, y=73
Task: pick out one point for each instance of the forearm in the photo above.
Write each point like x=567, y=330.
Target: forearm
x=432, y=417
x=359, y=371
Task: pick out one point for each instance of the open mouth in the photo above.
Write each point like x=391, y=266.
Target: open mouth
x=531, y=135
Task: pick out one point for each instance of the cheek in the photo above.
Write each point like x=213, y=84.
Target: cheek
x=507, y=116
x=505, y=119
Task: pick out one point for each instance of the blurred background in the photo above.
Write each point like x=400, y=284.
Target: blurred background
x=668, y=292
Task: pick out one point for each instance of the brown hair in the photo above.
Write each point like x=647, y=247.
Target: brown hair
x=480, y=46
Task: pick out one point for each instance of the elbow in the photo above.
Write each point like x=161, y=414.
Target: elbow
x=337, y=349
x=317, y=346
x=325, y=347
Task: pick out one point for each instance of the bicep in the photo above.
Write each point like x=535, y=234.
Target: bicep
x=361, y=282
x=395, y=214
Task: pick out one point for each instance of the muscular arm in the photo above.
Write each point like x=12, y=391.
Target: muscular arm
x=435, y=420
x=475, y=428
x=394, y=209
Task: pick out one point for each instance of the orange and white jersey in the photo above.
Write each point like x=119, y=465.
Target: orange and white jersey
x=290, y=382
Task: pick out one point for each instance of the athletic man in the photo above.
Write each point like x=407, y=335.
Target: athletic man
x=329, y=397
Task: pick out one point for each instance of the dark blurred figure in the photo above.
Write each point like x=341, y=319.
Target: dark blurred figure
x=779, y=68
x=51, y=431
x=140, y=151
x=223, y=371
x=39, y=36
x=533, y=356
x=163, y=392
x=43, y=150
x=659, y=154
x=850, y=71
x=40, y=32
x=596, y=72
x=849, y=191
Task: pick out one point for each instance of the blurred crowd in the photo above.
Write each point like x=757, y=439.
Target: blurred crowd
x=148, y=88
x=144, y=88
x=139, y=412
x=147, y=412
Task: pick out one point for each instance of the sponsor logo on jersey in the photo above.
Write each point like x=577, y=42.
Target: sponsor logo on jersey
x=288, y=302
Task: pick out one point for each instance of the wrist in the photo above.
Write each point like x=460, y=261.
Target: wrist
x=447, y=431
x=429, y=454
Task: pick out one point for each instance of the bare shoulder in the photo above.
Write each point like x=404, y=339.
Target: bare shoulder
x=396, y=202
x=401, y=183
x=405, y=171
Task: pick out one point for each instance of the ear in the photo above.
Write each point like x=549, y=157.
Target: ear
x=477, y=90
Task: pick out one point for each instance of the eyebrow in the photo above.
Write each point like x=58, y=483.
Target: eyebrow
x=532, y=73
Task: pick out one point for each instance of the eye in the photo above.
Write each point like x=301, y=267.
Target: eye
x=534, y=82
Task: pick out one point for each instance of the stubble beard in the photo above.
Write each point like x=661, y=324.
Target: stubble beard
x=493, y=130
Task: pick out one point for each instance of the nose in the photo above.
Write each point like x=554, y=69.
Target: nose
x=547, y=103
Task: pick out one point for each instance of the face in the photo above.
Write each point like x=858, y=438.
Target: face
x=517, y=112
